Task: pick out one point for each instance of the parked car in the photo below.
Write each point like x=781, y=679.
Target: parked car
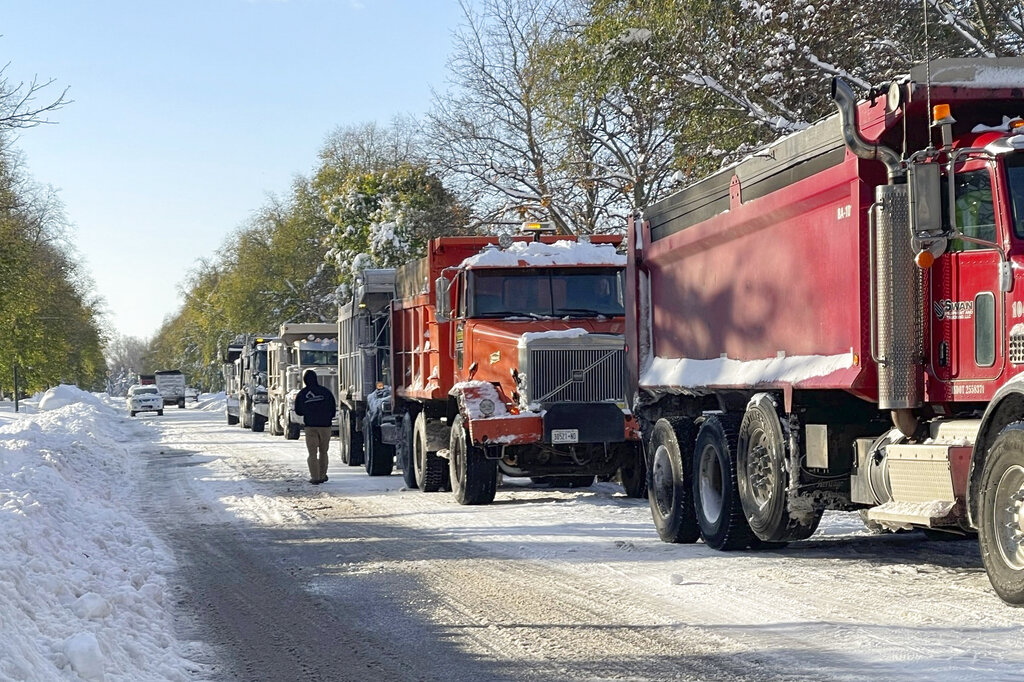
x=145, y=399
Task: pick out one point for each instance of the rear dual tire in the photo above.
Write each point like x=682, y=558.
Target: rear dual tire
x=429, y=468
x=379, y=457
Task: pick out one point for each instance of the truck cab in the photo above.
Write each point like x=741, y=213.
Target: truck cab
x=510, y=357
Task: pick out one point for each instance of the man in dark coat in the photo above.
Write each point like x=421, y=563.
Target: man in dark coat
x=317, y=407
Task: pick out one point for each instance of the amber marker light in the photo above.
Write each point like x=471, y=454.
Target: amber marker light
x=856, y=360
x=940, y=114
x=924, y=259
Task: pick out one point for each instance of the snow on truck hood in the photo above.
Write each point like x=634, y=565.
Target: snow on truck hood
x=540, y=254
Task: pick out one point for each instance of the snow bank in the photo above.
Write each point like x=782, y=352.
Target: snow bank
x=64, y=395
x=212, y=402
x=83, y=592
x=535, y=254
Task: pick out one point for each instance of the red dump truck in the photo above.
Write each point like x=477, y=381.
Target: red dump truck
x=838, y=323
x=508, y=358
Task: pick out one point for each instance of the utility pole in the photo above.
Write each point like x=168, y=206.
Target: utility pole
x=16, y=387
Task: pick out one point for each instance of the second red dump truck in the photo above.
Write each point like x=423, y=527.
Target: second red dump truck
x=839, y=324
x=507, y=358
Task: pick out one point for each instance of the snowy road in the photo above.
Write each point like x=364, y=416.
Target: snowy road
x=361, y=579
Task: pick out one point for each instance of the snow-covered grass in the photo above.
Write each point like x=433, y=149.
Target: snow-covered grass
x=83, y=594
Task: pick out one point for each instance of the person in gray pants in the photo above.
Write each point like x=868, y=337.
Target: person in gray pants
x=317, y=407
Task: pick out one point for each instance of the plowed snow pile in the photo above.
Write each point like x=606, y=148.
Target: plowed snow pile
x=82, y=595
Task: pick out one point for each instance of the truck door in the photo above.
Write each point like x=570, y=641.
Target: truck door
x=966, y=306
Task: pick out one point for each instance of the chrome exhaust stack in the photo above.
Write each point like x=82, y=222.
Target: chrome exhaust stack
x=896, y=320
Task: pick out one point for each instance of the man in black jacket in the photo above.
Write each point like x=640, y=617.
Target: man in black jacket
x=316, y=406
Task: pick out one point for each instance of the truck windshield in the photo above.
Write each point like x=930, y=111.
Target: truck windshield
x=318, y=357
x=553, y=292
x=261, y=361
x=1015, y=182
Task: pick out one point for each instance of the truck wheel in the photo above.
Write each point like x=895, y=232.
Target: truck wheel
x=715, y=494
x=181, y=403
x=1001, y=531
x=379, y=456
x=258, y=423
x=356, y=443
x=159, y=413
x=474, y=477
x=344, y=437
x=633, y=474
x=133, y=413
x=404, y=451
x=762, y=473
x=429, y=468
x=670, y=474
x=232, y=420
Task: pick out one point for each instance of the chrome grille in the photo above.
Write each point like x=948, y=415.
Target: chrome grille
x=577, y=375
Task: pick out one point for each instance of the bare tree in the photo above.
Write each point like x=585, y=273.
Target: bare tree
x=493, y=133
x=20, y=106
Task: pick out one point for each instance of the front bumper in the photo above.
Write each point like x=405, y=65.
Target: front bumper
x=561, y=424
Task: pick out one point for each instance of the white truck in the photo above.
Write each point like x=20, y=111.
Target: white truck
x=299, y=346
x=171, y=384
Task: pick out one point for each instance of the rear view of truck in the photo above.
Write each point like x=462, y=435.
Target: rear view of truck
x=171, y=383
x=364, y=346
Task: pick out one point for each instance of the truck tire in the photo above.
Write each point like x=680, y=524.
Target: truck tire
x=275, y=421
x=232, y=420
x=633, y=473
x=259, y=422
x=181, y=403
x=1001, y=527
x=133, y=413
x=379, y=456
x=159, y=413
x=762, y=472
x=403, y=452
x=292, y=432
x=474, y=477
x=716, y=497
x=428, y=467
x=670, y=476
x=344, y=437
x=351, y=439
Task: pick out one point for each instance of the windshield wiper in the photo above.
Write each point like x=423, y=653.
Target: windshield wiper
x=514, y=313
x=584, y=311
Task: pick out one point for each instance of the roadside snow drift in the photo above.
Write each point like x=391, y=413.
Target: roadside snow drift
x=82, y=595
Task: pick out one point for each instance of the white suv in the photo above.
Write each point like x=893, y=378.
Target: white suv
x=145, y=399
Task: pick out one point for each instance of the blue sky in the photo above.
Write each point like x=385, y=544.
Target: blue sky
x=188, y=115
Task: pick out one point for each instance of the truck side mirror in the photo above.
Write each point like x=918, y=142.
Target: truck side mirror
x=443, y=301
x=924, y=185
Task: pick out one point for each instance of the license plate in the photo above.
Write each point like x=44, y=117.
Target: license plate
x=565, y=436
